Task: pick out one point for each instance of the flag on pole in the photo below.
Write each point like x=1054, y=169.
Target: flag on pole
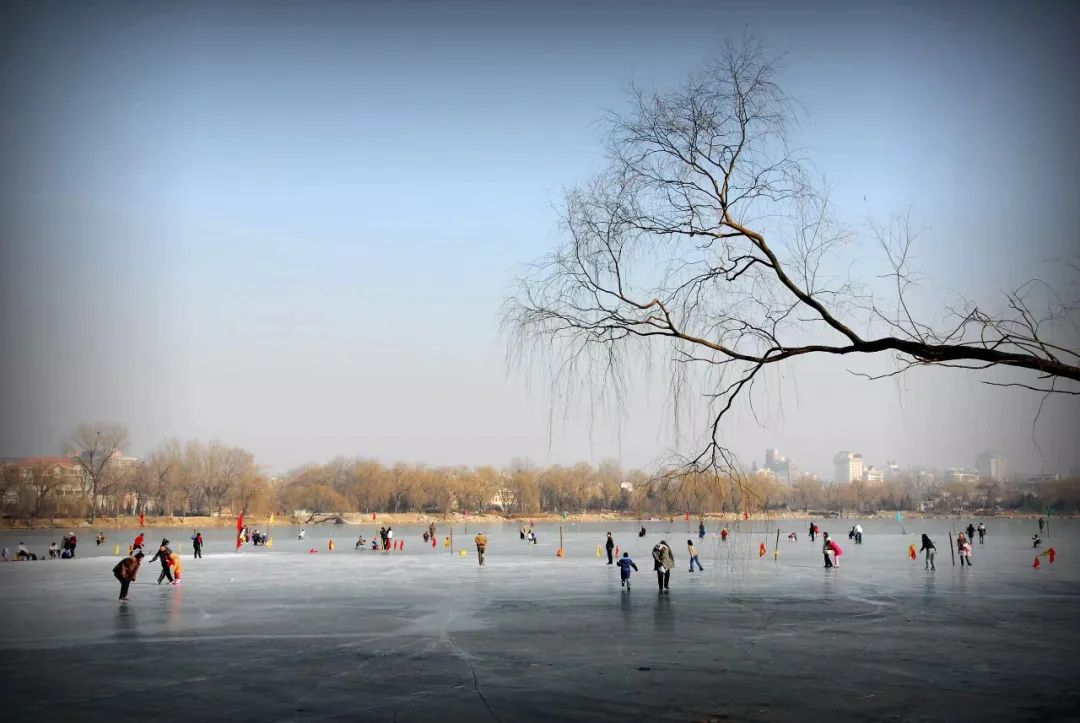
x=239, y=530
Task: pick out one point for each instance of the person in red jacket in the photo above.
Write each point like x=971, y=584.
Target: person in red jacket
x=836, y=552
x=139, y=540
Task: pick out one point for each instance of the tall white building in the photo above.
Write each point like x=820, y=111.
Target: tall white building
x=847, y=466
x=991, y=465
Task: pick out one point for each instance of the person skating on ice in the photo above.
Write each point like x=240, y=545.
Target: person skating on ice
x=481, y=546
x=930, y=550
x=164, y=554
x=663, y=561
x=693, y=556
x=126, y=570
x=625, y=563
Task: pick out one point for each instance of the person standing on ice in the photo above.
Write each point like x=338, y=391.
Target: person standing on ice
x=825, y=550
x=140, y=539
x=196, y=543
x=625, y=563
x=928, y=546
x=663, y=561
x=970, y=532
x=701, y=530
x=125, y=571
x=481, y=546
x=964, y=548
x=858, y=534
x=389, y=538
x=164, y=554
x=693, y=556
x=982, y=532
x=610, y=545
x=813, y=532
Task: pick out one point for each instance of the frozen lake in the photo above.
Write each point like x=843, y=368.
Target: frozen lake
x=422, y=634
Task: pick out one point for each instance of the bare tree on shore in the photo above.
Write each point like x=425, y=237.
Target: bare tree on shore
x=96, y=447
x=707, y=244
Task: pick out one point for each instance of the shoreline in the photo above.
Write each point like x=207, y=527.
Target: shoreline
x=131, y=522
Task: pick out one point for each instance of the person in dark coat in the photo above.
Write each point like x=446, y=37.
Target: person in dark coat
x=930, y=550
x=610, y=545
x=164, y=554
x=125, y=571
x=625, y=563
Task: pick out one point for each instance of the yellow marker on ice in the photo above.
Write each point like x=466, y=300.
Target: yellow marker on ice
x=463, y=553
x=598, y=551
x=270, y=542
x=116, y=549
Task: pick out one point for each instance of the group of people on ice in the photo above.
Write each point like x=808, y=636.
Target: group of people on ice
x=127, y=569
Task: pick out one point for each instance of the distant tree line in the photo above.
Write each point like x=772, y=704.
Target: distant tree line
x=207, y=478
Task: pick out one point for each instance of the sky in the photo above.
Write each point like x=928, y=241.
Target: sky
x=290, y=226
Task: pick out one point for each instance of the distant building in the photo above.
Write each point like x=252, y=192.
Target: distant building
x=873, y=475
x=780, y=466
x=892, y=471
x=847, y=466
x=960, y=475
x=502, y=498
x=991, y=465
x=72, y=480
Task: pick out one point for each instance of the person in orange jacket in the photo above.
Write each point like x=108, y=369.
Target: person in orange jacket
x=177, y=568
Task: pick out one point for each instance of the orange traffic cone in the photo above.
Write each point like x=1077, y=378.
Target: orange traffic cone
x=761, y=550
x=1036, y=563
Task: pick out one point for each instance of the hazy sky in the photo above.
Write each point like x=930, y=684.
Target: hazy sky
x=290, y=226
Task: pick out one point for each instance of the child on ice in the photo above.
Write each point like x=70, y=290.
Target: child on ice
x=625, y=563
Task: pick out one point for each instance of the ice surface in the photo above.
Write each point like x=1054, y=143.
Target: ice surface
x=426, y=635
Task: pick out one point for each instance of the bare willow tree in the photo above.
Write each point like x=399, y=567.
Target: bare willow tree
x=707, y=244
x=96, y=447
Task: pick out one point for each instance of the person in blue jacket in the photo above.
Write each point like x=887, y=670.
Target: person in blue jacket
x=625, y=563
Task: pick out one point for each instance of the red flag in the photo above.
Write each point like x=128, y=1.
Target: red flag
x=1053, y=554
x=239, y=530
x=142, y=519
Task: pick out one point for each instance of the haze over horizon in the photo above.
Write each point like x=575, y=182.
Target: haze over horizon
x=291, y=228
